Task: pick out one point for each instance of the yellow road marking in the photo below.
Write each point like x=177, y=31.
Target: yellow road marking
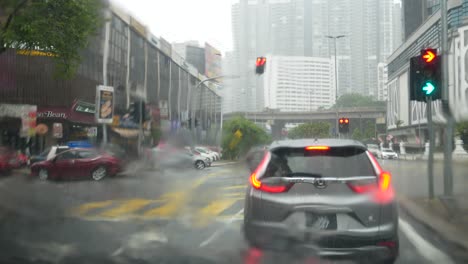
x=207, y=213
x=203, y=179
x=83, y=209
x=174, y=202
x=126, y=208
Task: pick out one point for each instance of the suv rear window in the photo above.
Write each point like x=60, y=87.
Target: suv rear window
x=336, y=162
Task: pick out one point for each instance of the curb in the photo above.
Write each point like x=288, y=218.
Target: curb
x=444, y=229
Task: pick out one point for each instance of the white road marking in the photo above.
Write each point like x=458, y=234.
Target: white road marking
x=426, y=249
x=221, y=230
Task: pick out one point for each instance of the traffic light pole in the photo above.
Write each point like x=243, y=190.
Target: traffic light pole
x=430, y=162
x=448, y=147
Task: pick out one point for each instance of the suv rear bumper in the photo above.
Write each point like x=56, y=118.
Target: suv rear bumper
x=333, y=245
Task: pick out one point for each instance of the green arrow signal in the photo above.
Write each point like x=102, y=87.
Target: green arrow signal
x=428, y=88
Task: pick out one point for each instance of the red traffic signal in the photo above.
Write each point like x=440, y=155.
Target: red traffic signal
x=260, y=61
x=341, y=120
x=346, y=120
x=260, y=65
x=429, y=55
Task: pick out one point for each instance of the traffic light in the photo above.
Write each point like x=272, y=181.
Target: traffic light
x=425, y=76
x=343, y=127
x=260, y=65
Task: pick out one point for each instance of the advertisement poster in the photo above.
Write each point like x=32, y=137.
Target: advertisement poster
x=212, y=61
x=105, y=104
x=28, y=120
x=57, y=130
x=92, y=132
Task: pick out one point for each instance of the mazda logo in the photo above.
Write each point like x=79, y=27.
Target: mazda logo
x=321, y=184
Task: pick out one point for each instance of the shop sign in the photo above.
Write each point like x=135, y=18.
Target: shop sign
x=28, y=120
x=116, y=120
x=92, y=131
x=12, y=110
x=83, y=107
x=57, y=130
x=42, y=129
x=105, y=104
x=52, y=114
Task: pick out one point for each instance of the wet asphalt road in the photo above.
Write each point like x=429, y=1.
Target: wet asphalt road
x=148, y=217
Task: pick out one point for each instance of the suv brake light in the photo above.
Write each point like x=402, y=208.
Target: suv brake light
x=382, y=185
x=257, y=184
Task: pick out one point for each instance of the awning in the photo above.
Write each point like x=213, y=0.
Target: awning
x=126, y=132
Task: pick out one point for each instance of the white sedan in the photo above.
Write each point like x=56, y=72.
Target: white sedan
x=207, y=152
x=388, y=154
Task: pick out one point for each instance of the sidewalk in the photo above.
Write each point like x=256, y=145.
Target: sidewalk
x=447, y=218
x=437, y=157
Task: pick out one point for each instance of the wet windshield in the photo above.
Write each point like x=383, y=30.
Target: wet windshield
x=233, y=131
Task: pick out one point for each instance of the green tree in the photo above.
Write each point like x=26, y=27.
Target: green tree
x=357, y=100
x=356, y=134
x=60, y=28
x=252, y=135
x=310, y=130
x=369, y=130
x=461, y=128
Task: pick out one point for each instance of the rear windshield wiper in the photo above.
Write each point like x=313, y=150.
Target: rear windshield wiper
x=304, y=174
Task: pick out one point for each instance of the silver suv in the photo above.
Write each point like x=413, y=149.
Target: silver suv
x=329, y=196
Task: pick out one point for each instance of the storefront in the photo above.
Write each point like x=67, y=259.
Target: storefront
x=62, y=124
x=17, y=123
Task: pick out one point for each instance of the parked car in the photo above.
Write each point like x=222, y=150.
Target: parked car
x=48, y=153
x=204, y=155
x=387, y=153
x=77, y=163
x=8, y=160
x=213, y=156
x=218, y=150
x=200, y=162
x=374, y=149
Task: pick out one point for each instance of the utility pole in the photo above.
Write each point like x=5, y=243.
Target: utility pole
x=448, y=148
x=430, y=161
x=201, y=95
x=336, y=81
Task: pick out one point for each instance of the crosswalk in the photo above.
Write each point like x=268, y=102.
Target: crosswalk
x=202, y=208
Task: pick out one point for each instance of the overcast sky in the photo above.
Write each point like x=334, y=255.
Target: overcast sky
x=182, y=20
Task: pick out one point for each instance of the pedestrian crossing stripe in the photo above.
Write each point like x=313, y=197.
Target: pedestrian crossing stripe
x=168, y=206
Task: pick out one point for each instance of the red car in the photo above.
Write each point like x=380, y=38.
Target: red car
x=8, y=160
x=77, y=163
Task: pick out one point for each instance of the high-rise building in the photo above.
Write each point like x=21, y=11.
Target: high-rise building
x=193, y=53
x=382, y=79
x=294, y=83
x=397, y=26
x=301, y=27
x=414, y=15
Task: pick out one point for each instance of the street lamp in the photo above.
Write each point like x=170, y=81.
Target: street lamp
x=336, y=79
x=201, y=95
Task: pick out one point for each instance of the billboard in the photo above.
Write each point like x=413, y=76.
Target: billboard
x=104, y=104
x=212, y=61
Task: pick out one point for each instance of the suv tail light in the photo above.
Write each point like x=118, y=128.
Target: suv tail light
x=381, y=190
x=382, y=185
x=257, y=184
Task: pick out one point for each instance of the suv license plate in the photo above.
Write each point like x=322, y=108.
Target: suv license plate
x=321, y=222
